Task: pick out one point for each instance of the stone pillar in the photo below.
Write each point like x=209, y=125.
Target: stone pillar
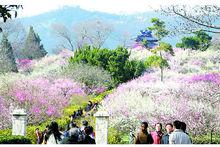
x=19, y=121
x=101, y=127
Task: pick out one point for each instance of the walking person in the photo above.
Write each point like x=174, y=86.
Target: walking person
x=66, y=132
x=178, y=136
x=39, y=136
x=73, y=116
x=157, y=134
x=165, y=137
x=44, y=134
x=85, y=124
x=88, y=139
x=73, y=135
x=143, y=137
x=53, y=135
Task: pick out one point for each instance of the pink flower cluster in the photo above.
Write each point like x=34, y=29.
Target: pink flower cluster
x=209, y=77
x=147, y=99
x=24, y=64
x=42, y=98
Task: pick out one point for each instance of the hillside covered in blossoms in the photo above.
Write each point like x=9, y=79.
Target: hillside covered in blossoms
x=189, y=92
x=63, y=91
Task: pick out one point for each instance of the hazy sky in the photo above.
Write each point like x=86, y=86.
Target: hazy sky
x=35, y=7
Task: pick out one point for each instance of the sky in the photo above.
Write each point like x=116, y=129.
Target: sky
x=36, y=7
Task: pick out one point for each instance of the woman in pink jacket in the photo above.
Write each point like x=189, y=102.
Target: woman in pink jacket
x=157, y=135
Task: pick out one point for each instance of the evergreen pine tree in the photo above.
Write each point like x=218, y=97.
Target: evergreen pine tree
x=33, y=49
x=7, y=59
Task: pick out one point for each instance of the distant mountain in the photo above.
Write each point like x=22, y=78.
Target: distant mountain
x=72, y=15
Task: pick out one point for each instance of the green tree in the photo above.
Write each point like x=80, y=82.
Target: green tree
x=159, y=61
x=5, y=12
x=7, y=59
x=204, y=39
x=164, y=47
x=116, y=62
x=145, y=42
x=33, y=49
x=200, y=41
x=189, y=42
x=159, y=28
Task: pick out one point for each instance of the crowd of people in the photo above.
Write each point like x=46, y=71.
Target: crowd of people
x=175, y=134
x=53, y=134
x=72, y=134
x=79, y=113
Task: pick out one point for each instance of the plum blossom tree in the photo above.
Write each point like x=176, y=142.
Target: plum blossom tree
x=179, y=98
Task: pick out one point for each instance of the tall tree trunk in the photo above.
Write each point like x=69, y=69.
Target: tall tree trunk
x=211, y=135
x=161, y=69
x=161, y=74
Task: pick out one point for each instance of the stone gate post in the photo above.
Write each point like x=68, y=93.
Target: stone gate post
x=102, y=118
x=19, y=121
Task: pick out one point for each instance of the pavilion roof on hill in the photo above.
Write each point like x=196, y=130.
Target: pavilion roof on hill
x=146, y=35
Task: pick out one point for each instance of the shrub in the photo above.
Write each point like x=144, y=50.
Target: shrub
x=97, y=79
x=24, y=65
x=117, y=137
x=205, y=139
x=116, y=62
x=140, y=55
x=114, y=136
x=191, y=61
x=200, y=41
x=14, y=140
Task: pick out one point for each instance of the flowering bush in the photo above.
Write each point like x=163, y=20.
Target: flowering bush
x=48, y=66
x=185, y=61
x=97, y=80
x=42, y=98
x=39, y=88
x=3, y=114
x=140, y=54
x=189, y=61
x=24, y=65
x=193, y=99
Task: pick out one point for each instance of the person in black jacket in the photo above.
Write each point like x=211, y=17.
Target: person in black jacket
x=88, y=140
